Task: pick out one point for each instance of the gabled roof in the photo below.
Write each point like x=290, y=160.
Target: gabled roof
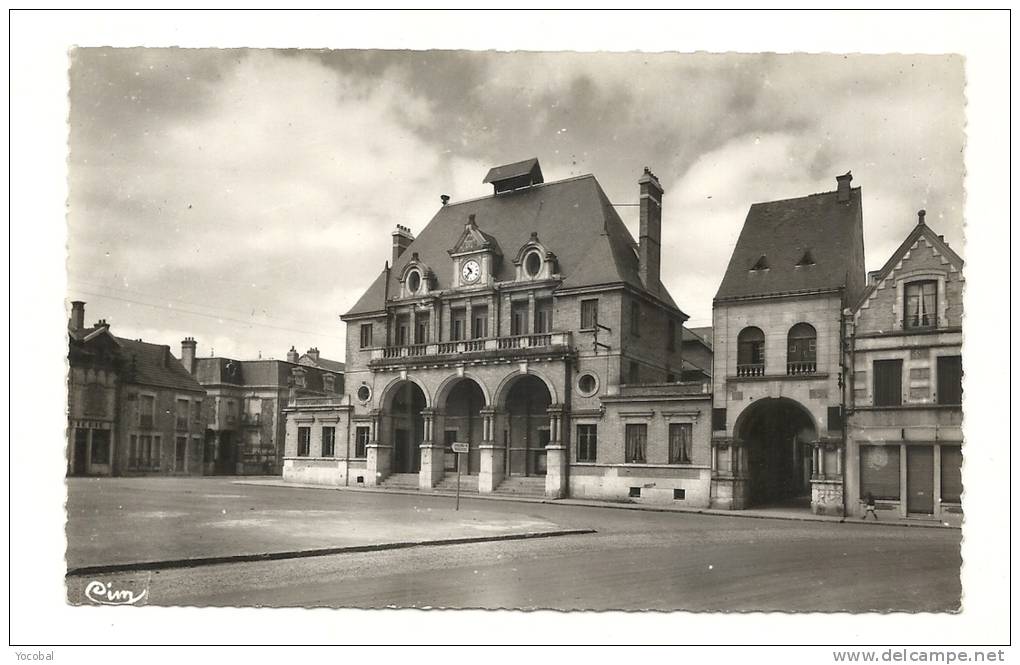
x=573, y=217
x=919, y=230
x=154, y=365
x=778, y=234
x=515, y=170
x=701, y=335
x=322, y=363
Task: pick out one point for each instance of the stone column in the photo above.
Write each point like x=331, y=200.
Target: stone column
x=468, y=320
x=491, y=456
x=433, y=323
x=431, y=472
x=379, y=455
x=529, y=325
x=557, y=454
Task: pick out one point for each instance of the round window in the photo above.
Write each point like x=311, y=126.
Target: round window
x=532, y=264
x=364, y=393
x=587, y=384
x=413, y=281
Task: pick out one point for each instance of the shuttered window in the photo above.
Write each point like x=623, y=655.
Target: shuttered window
x=952, y=478
x=880, y=472
x=888, y=382
x=950, y=379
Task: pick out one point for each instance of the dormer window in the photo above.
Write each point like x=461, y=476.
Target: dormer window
x=760, y=264
x=413, y=281
x=806, y=260
x=533, y=264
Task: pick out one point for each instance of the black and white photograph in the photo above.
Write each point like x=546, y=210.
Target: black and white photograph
x=682, y=332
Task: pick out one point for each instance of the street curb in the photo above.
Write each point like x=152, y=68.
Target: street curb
x=304, y=554
x=602, y=504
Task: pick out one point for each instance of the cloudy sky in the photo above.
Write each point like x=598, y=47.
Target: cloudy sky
x=246, y=197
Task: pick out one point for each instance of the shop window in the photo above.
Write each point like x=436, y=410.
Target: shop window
x=587, y=443
x=880, y=472
x=589, y=313
x=636, y=441
x=888, y=382
x=680, y=443
x=361, y=435
x=304, y=441
x=328, y=441
x=100, y=446
x=952, y=478
x=919, y=302
x=950, y=379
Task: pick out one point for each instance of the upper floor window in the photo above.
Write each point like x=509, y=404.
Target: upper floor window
x=801, y=344
x=949, y=379
x=421, y=329
x=366, y=335
x=182, y=413
x=635, y=318
x=479, y=322
x=589, y=313
x=543, y=315
x=919, y=303
x=518, y=318
x=403, y=326
x=751, y=352
x=671, y=335
x=146, y=410
x=458, y=318
x=887, y=388
x=532, y=264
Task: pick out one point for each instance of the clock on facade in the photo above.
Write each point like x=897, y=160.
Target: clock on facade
x=471, y=271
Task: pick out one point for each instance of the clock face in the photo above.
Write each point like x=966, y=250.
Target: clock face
x=471, y=271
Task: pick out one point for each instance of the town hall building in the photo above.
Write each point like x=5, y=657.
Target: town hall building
x=531, y=326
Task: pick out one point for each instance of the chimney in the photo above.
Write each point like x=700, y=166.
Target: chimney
x=313, y=353
x=402, y=239
x=292, y=355
x=188, y=348
x=77, y=315
x=650, y=232
x=843, y=187
x=920, y=217
x=445, y=198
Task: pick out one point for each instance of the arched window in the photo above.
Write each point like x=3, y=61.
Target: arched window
x=800, y=349
x=751, y=352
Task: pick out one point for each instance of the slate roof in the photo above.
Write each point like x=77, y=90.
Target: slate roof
x=920, y=229
x=702, y=335
x=782, y=232
x=322, y=363
x=514, y=170
x=573, y=218
x=155, y=365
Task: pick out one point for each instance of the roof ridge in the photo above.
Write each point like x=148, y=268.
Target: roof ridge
x=798, y=198
x=519, y=191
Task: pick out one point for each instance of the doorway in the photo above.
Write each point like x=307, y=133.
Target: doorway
x=81, y=451
x=779, y=435
x=920, y=480
x=407, y=427
x=527, y=427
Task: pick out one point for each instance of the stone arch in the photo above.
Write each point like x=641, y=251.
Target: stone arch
x=779, y=435
x=390, y=390
x=443, y=391
x=503, y=390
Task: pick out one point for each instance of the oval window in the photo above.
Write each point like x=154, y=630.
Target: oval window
x=364, y=393
x=533, y=264
x=587, y=384
x=413, y=281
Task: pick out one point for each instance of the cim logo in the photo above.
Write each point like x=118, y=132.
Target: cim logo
x=104, y=593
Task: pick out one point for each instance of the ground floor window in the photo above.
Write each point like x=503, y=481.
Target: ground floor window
x=100, y=446
x=637, y=437
x=304, y=441
x=880, y=472
x=952, y=481
x=361, y=441
x=681, y=439
x=587, y=436
x=328, y=441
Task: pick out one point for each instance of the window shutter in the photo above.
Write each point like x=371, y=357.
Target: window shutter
x=719, y=419
x=950, y=379
x=888, y=382
x=880, y=472
x=835, y=418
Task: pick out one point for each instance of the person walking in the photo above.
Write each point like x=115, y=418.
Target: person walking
x=869, y=506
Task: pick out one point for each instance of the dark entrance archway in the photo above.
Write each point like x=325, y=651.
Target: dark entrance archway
x=462, y=421
x=406, y=427
x=778, y=433
x=526, y=430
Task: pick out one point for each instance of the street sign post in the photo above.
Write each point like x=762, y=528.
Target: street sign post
x=460, y=448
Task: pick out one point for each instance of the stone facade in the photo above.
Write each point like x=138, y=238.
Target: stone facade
x=905, y=440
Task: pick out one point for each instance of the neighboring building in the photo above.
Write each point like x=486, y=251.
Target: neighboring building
x=697, y=353
x=246, y=425
x=777, y=341
x=132, y=407
x=905, y=440
x=530, y=325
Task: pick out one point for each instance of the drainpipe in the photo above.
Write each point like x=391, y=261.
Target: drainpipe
x=846, y=352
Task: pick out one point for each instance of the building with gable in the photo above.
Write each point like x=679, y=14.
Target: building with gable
x=905, y=442
x=530, y=325
x=245, y=408
x=778, y=376
x=132, y=407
